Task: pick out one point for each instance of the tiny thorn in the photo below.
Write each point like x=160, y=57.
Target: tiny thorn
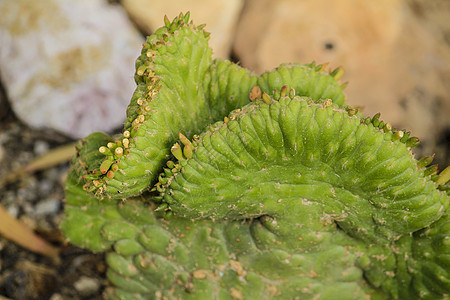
x=177, y=152
x=337, y=73
x=162, y=207
x=186, y=17
x=110, y=174
x=187, y=151
x=89, y=177
x=425, y=161
x=168, y=215
x=431, y=170
x=184, y=139
x=344, y=85
x=276, y=94
x=376, y=117
x=266, y=98
x=283, y=90
x=104, y=167
x=323, y=66
x=405, y=137
x=291, y=93
x=444, y=176
x=162, y=179
x=166, y=21
x=412, y=142
x=168, y=172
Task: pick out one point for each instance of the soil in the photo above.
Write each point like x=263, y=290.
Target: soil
x=37, y=200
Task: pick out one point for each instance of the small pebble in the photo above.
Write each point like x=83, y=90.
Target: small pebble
x=56, y=297
x=28, y=209
x=13, y=210
x=45, y=186
x=86, y=285
x=52, y=174
x=40, y=147
x=25, y=195
x=46, y=207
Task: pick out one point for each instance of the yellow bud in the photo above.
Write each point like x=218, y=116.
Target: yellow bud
x=266, y=98
x=118, y=151
x=388, y=126
x=110, y=174
x=102, y=149
x=135, y=122
x=126, y=143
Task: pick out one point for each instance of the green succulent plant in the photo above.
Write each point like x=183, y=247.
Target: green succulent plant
x=228, y=185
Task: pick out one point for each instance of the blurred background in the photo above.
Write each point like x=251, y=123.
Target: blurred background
x=66, y=70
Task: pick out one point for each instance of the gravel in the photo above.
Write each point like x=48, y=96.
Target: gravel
x=37, y=200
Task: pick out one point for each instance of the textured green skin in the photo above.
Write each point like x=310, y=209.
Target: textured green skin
x=293, y=198
x=306, y=80
x=181, y=75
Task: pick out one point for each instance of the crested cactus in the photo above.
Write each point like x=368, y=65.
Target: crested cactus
x=228, y=185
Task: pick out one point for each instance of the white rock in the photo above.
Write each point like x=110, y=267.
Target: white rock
x=66, y=64
x=86, y=285
x=46, y=207
x=56, y=297
x=220, y=17
x=40, y=147
x=13, y=210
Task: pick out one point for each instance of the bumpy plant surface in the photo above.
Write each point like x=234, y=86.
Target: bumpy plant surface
x=228, y=185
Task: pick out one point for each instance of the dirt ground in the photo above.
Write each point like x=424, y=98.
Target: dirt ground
x=36, y=200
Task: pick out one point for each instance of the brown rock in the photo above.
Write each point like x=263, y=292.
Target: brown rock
x=395, y=61
x=220, y=17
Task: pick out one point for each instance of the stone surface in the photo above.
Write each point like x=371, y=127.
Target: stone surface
x=220, y=17
x=68, y=65
x=47, y=207
x=86, y=285
x=395, y=59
